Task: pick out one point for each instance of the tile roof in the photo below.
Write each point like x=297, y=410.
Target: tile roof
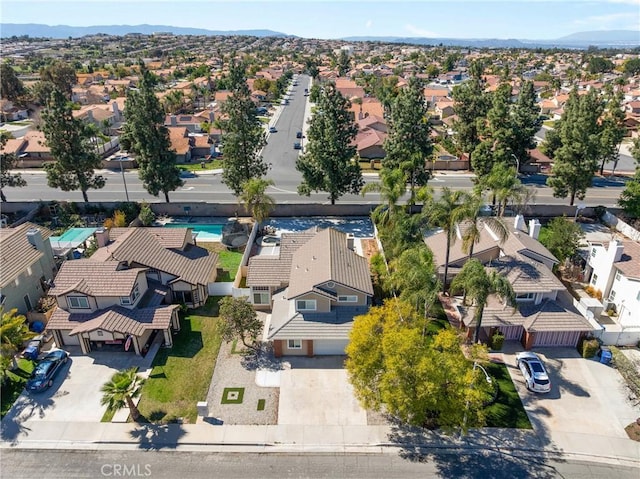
x=116, y=319
x=16, y=253
x=522, y=243
x=179, y=138
x=437, y=242
x=174, y=238
x=629, y=264
x=527, y=276
x=143, y=247
x=95, y=278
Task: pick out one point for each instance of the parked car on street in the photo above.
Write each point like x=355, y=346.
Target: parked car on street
x=272, y=129
x=46, y=370
x=299, y=134
x=297, y=146
x=535, y=375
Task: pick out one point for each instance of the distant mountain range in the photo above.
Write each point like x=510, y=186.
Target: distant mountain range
x=36, y=30
x=604, y=38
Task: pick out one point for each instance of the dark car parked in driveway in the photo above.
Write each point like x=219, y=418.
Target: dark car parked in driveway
x=46, y=370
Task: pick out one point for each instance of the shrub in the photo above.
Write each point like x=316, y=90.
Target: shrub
x=588, y=347
x=497, y=340
x=147, y=217
x=590, y=290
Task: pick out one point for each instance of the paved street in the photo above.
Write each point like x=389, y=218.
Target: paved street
x=171, y=464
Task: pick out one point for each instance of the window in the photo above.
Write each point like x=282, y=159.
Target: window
x=331, y=285
x=99, y=333
x=593, y=252
x=594, y=278
x=29, y=271
x=78, y=302
x=347, y=299
x=618, y=275
x=526, y=297
x=294, y=344
x=612, y=295
x=260, y=298
x=306, y=305
x=17, y=281
x=125, y=300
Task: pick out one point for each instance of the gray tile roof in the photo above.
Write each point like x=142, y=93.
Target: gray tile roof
x=527, y=276
x=629, y=264
x=16, y=253
x=116, y=319
x=522, y=243
x=437, y=242
x=172, y=238
x=138, y=245
x=325, y=257
x=95, y=278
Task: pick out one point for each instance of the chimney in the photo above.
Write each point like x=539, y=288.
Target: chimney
x=116, y=110
x=90, y=116
x=616, y=249
x=174, y=120
x=534, y=228
x=102, y=237
x=519, y=223
x=351, y=241
x=211, y=117
x=35, y=239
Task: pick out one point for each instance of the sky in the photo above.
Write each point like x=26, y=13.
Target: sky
x=523, y=19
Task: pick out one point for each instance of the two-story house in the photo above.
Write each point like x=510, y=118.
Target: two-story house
x=314, y=286
x=109, y=306
x=614, y=269
x=544, y=315
x=28, y=264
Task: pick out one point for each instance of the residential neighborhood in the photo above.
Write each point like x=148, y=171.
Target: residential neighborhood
x=336, y=245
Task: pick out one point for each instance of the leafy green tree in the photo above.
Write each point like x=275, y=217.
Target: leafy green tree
x=408, y=146
x=7, y=163
x=471, y=106
x=414, y=276
x=11, y=86
x=562, y=237
x=477, y=284
x=395, y=364
x=599, y=65
x=576, y=159
x=69, y=140
x=239, y=319
x=146, y=215
x=145, y=135
x=121, y=390
x=391, y=188
x=328, y=164
x=632, y=66
x=612, y=128
x=14, y=331
x=343, y=63
x=61, y=75
x=525, y=122
x=449, y=210
x=630, y=197
x=243, y=135
x=256, y=201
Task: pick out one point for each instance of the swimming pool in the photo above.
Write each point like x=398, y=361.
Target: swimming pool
x=206, y=232
x=359, y=226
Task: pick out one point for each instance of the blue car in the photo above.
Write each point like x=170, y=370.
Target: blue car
x=46, y=370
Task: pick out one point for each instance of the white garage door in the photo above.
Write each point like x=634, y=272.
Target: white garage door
x=69, y=340
x=329, y=346
x=556, y=338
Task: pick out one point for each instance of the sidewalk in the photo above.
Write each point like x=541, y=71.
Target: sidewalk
x=334, y=439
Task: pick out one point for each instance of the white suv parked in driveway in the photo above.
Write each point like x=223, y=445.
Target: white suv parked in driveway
x=535, y=375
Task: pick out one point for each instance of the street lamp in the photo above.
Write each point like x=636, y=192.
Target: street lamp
x=579, y=208
x=517, y=164
x=486, y=377
x=124, y=181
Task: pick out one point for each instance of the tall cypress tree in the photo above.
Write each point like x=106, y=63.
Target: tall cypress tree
x=145, y=135
x=243, y=135
x=526, y=122
x=408, y=146
x=69, y=140
x=578, y=146
x=328, y=163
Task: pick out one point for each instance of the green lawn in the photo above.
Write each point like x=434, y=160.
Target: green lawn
x=229, y=261
x=182, y=374
x=209, y=165
x=507, y=411
x=14, y=385
x=365, y=166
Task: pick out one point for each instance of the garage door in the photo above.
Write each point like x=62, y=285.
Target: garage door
x=556, y=338
x=329, y=346
x=69, y=340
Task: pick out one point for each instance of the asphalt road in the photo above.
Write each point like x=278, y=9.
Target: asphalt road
x=171, y=464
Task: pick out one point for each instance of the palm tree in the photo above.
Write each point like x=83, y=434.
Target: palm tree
x=475, y=222
x=478, y=284
x=256, y=201
x=121, y=389
x=446, y=213
x=391, y=188
x=13, y=333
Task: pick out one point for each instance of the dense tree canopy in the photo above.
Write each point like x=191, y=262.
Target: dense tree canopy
x=7, y=163
x=562, y=237
x=328, y=162
x=630, y=197
x=11, y=86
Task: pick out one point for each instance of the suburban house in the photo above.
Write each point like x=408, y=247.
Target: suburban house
x=314, y=286
x=110, y=306
x=28, y=265
x=170, y=256
x=545, y=314
x=189, y=147
x=369, y=141
x=31, y=150
x=614, y=269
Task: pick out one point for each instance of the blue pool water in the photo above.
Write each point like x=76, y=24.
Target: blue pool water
x=206, y=232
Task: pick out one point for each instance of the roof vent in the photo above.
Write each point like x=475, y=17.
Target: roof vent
x=314, y=258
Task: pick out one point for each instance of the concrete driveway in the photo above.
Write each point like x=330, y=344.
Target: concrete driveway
x=586, y=397
x=75, y=395
x=316, y=391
